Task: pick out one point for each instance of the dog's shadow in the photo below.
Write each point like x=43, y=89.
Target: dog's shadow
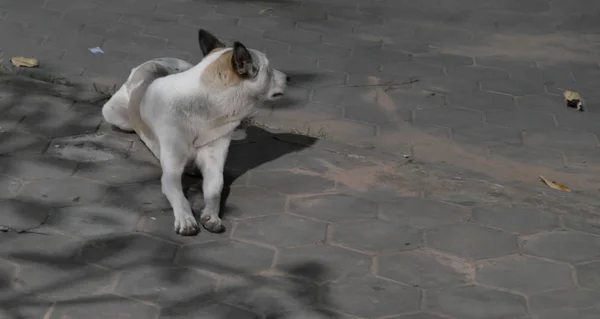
x=258, y=148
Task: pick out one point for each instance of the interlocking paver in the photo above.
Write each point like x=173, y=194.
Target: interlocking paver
x=534, y=276
x=474, y=242
x=369, y=296
x=520, y=220
x=564, y=246
x=434, y=100
x=281, y=230
x=376, y=236
x=474, y=302
x=425, y=270
x=338, y=262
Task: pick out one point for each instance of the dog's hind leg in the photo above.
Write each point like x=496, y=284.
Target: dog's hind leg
x=115, y=110
x=172, y=160
x=211, y=161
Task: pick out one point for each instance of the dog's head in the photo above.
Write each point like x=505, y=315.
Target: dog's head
x=239, y=66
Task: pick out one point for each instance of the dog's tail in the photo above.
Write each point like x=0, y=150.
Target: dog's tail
x=137, y=84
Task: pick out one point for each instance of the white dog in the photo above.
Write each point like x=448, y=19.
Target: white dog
x=188, y=113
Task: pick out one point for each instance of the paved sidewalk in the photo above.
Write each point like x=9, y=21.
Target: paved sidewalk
x=420, y=198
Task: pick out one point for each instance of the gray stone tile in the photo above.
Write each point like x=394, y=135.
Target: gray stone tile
x=122, y=251
x=115, y=172
x=449, y=116
x=482, y=101
x=164, y=285
x=71, y=192
x=476, y=302
x=294, y=36
x=281, y=230
x=512, y=87
x=36, y=167
x=444, y=60
x=529, y=155
x=226, y=257
x=522, y=120
x=477, y=73
x=376, y=236
x=470, y=241
x=333, y=208
x=370, y=297
x=419, y=316
x=310, y=111
x=53, y=278
x=425, y=270
x=90, y=148
x=140, y=197
x=22, y=215
x=422, y=213
x=416, y=100
x=564, y=246
x=28, y=248
x=329, y=262
x=522, y=220
x=486, y=135
x=92, y=220
x=563, y=298
x=534, y=275
x=412, y=70
x=588, y=275
x=448, y=84
x=247, y=202
x=561, y=140
x=110, y=305
x=290, y=183
x=20, y=143
x=213, y=310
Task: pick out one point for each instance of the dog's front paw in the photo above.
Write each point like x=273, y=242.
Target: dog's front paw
x=186, y=226
x=212, y=223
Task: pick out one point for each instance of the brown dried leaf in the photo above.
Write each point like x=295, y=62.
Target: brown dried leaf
x=555, y=185
x=24, y=62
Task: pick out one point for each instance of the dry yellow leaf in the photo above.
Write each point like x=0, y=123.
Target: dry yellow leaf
x=24, y=62
x=263, y=11
x=574, y=100
x=555, y=185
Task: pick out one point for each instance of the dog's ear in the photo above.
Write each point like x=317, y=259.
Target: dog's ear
x=208, y=42
x=242, y=61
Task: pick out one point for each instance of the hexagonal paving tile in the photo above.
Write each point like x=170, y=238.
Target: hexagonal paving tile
x=38, y=167
x=563, y=298
x=512, y=87
x=164, y=285
x=9, y=187
x=61, y=279
x=281, y=230
x=290, y=183
x=475, y=303
x=370, y=297
x=119, y=171
x=522, y=220
x=19, y=143
x=27, y=248
x=22, y=215
x=140, y=197
x=482, y=101
x=72, y=191
x=523, y=120
x=212, y=310
x=561, y=140
x=90, y=148
x=110, y=305
x=127, y=250
x=322, y=263
x=160, y=224
x=229, y=257
x=588, y=275
x=472, y=241
x=79, y=119
x=333, y=208
x=486, y=135
x=564, y=246
x=376, y=236
x=449, y=116
x=422, y=213
x=247, y=202
x=533, y=275
x=274, y=296
x=425, y=269
x=93, y=220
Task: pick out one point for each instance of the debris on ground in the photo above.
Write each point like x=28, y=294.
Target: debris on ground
x=573, y=100
x=20, y=61
x=555, y=185
x=263, y=11
x=96, y=50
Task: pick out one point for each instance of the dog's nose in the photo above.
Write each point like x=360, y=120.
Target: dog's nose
x=287, y=79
